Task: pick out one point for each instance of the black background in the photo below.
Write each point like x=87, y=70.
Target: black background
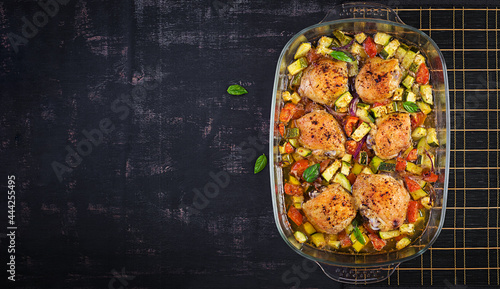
x=124, y=215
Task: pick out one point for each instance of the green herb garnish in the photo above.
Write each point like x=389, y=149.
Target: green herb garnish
x=236, y=89
x=341, y=56
x=357, y=233
x=410, y=106
x=359, y=236
x=260, y=163
x=311, y=173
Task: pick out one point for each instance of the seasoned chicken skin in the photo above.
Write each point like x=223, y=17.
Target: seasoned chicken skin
x=393, y=135
x=378, y=79
x=382, y=200
x=324, y=81
x=332, y=211
x=321, y=133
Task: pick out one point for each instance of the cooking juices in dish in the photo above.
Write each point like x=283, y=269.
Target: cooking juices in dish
x=358, y=143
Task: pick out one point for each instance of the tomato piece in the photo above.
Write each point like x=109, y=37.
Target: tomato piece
x=413, y=211
x=287, y=112
x=324, y=164
x=400, y=165
x=289, y=148
x=351, y=124
x=412, y=185
x=398, y=238
x=422, y=74
x=352, y=178
x=299, y=111
x=377, y=104
x=369, y=229
x=312, y=56
x=295, y=215
x=351, y=146
x=370, y=47
x=281, y=128
x=345, y=240
x=377, y=242
x=293, y=190
x=299, y=167
x=412, y=156
x=431, y=177
x=417, y=119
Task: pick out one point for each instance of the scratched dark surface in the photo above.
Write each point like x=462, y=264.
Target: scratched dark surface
x=154, y=73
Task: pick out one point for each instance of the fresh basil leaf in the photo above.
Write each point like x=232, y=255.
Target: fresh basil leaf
x=341, y=56
x=410, y=106
x=260, y=163
x=236, y=89
x=311, y=173
x=350, y=56
x=359, y=235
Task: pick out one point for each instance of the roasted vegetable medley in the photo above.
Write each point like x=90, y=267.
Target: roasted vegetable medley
x=358, y=141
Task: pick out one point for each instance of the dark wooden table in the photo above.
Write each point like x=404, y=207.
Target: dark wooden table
x=134, y=168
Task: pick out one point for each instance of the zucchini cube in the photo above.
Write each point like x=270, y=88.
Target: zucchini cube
x=360, y=37
x=343, y=100
x=318, y=240
x=361, y=131
x=343, y=181
x=309, y=228
x=302, y=50
x=331, y=170
x=297, y=66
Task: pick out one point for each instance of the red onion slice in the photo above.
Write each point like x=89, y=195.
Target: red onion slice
x=343, y=47
x=358, y=148
x=432, y=163
x=353, y=104
x=369, y=141
x=337, y=115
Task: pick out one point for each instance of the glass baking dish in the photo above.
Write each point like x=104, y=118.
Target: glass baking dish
x=368, y=18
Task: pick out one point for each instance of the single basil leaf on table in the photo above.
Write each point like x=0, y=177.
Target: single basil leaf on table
x=410, y=106
x=236, y=89
x=311, y=173
x=260, y=163
x=341, y=56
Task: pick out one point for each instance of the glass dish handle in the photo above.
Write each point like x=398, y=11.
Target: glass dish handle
x=362, y=10
x=358, y=275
